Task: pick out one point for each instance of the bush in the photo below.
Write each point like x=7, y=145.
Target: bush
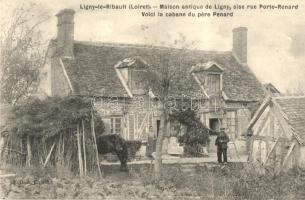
x=196, y=136
x=192, y=150
x=249, y=184
x=226, y=182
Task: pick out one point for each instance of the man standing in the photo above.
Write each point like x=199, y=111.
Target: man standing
x=222, y=146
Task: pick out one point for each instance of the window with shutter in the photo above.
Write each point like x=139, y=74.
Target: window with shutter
x=135, y=80
x=213, y=84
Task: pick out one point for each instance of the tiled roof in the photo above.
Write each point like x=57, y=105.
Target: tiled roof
x=294, y=109
x=92, y=71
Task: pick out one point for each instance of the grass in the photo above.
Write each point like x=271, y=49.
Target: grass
x=204, y=181
x=230, y=182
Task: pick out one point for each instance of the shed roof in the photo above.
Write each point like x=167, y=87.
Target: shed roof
x=294, y=109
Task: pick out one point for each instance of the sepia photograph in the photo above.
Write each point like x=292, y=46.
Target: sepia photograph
x=152, y=99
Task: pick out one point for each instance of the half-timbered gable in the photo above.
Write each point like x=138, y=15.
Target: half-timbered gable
x=277, y=132
x=209, y=76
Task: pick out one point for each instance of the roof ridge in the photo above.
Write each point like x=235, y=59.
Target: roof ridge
x=122, y=45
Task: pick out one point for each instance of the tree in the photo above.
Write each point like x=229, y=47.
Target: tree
x=164, y=80
x=22, y=53
x=164, y=77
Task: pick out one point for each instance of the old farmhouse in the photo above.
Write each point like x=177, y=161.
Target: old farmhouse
x=277, y=133
x=114, y=75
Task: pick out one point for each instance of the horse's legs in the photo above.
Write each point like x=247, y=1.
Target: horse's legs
x=123, y=166
x=123, y=161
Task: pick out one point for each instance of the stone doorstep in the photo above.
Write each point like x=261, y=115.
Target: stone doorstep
x=7, y=175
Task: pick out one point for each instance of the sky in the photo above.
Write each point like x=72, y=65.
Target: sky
x=276, y=39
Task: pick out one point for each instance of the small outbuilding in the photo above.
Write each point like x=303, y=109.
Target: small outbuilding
x=277, y=133
x=271, y=89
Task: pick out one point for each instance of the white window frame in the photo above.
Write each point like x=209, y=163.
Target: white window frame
x=113, y=125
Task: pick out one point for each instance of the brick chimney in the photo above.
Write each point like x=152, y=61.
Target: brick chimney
x=240, y=44
x=65, y=32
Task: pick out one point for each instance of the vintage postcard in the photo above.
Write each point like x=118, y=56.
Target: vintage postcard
x=152, y=99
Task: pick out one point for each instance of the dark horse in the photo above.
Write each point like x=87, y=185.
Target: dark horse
x=114, y=143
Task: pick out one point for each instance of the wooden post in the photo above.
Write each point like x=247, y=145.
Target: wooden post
x=63, y=146
x=10, y=147
x=159, y=145
x=59, y=144
x=5, y=154
x=262, y=126
x=80, y=159
x=59, y=150
x=94, y=140
x=271, y=150
x=84, y=148
x=49, y=155
x=29, y=150
x=259, y=112
x=1, y=150
x=127, y=126
x=286, y=158
x=136, y=125
x=272, y=125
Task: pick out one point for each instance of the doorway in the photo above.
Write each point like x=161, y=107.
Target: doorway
x=158, y=127
x=215, y=124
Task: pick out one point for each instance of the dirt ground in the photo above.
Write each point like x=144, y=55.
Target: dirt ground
x=113, y=185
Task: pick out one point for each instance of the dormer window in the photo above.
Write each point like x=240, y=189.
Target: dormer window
x=213, y=84
x=209, y=76
x=132, y=72
x=135, y=80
